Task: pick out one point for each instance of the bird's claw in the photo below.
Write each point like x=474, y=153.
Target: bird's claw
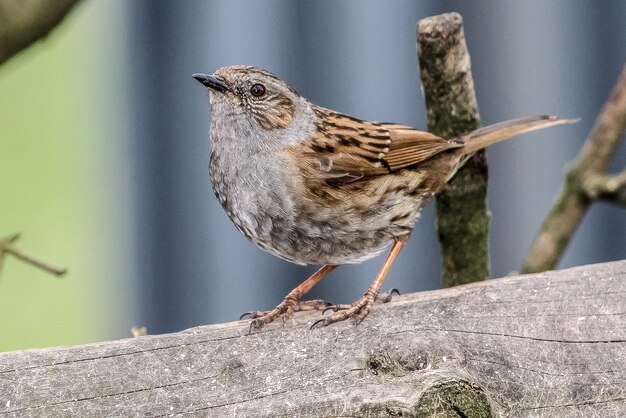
x=284, y=310
x=255, y=324
x=253, y=314
x=357, y=311
x=387, y=296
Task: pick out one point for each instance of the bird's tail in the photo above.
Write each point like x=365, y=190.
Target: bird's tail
x=483, y=137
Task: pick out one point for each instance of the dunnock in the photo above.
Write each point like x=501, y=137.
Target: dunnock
x=315, y=186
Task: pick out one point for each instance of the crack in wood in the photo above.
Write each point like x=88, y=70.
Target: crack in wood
x=575, y=404
x=550, y=361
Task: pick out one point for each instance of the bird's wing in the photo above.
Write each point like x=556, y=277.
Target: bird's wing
x=346, y=149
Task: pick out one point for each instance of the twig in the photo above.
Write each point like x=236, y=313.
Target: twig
x=139, y=331
x=585, y=181
x=462, y=215
x=608, y=188
x=7, y=247
x=4, y=242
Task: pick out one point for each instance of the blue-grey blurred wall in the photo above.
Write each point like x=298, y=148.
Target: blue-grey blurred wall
x=358, y=57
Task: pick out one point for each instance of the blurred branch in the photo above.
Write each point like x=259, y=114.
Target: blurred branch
x=608, y=188
x=23, y=22
x=7, y=247
x=139, y=331
x=585, y=182
x=452, y=110
x=4, y=242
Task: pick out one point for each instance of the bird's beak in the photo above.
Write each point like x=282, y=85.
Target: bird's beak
x=212, y=81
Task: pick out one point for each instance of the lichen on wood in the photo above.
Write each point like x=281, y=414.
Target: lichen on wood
x=549, y=344
x=452, y=110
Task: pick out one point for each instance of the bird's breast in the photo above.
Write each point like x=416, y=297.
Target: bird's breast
x=273, y=205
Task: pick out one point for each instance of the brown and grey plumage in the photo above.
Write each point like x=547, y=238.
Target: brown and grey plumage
x=314, y=186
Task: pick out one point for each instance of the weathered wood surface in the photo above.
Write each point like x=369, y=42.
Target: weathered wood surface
x=549, y=344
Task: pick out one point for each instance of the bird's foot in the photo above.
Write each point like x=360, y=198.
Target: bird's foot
x=386, y=297
x=358, y=310
x=285, y=309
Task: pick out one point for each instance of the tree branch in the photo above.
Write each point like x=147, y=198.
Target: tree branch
x=23, y=22
x=452, y=110
x=608, y=188
x=583, y=184
x=7, y=247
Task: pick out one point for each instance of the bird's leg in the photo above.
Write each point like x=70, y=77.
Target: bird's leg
x=292, y=303
x=359, y=309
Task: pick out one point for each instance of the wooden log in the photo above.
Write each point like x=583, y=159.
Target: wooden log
x=548, y=344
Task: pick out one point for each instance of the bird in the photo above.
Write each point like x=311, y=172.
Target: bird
x=312, y=185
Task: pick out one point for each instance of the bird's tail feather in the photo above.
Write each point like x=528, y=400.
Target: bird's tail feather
x=483, y=137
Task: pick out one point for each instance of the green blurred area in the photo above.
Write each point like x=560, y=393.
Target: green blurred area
x=61, y=183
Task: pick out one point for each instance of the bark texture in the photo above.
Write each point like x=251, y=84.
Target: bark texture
x=452, y=110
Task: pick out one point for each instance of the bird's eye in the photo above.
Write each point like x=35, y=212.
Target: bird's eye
x=257, y=90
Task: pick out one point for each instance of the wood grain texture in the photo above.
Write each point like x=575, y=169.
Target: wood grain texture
x=452, y=110
x=549, y=344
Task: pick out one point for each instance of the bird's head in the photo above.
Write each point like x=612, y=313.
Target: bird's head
x=253, y=93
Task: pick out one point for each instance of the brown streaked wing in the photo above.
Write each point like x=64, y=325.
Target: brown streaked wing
x=347, y=149
x=410, y=146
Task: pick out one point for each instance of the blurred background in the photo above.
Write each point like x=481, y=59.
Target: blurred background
x=104, y=149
